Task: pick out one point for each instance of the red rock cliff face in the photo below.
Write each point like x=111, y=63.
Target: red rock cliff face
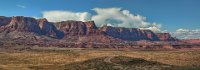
x=132, y=34
x=91, y=27
x=4, y=20
x=150, y=35
x=28, y=24
x=24, y=24
x=165, y=37
x=72, y=27
x=49, y=29
x=77, y=27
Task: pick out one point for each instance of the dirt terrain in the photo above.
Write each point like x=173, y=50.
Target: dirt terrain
x=98, y=59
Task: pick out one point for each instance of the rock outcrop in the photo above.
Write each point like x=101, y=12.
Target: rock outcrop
x=24, y=24
x=47, y=28
x=165, y=37
x=77, y=34
x=71, y=28
x=150, y=35
x=4, y=20
x=91, y=27
x=77, y=27
x=28, y=24
x=132, y=34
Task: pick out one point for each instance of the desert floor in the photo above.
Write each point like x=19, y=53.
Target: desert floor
x=107, y=59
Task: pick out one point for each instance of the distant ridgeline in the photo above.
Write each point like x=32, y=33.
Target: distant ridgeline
x=19, y=28
x=76, y=28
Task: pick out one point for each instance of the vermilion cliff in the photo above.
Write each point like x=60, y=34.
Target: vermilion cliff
x=71, y=28
x=165, y=37
x=66, y=29
x=77, y=34
x=27, y=25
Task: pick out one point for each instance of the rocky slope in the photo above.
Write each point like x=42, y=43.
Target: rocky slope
x=132, y=34
x=76, y=28
x=165, y=37
x=72, y=33
x=29, y=25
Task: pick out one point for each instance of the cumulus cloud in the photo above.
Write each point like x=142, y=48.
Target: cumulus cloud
x=21, y=6
x=56, y=16
x=117, y=17
x=187, y=33
x=181, y=30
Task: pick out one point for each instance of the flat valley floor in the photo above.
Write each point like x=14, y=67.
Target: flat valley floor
x=99, y=59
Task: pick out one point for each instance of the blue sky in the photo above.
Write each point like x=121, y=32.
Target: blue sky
x=171, y=14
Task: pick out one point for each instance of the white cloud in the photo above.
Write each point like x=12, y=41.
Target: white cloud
x=117, y=17
x=182, y=30
x=122, y=18
x=21, y=6
x=187, y=33
x=55, y=16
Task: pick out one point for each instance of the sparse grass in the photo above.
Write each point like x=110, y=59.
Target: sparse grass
x=61, y=59
x=100, y=64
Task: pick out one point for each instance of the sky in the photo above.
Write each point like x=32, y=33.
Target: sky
x=179, y=17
